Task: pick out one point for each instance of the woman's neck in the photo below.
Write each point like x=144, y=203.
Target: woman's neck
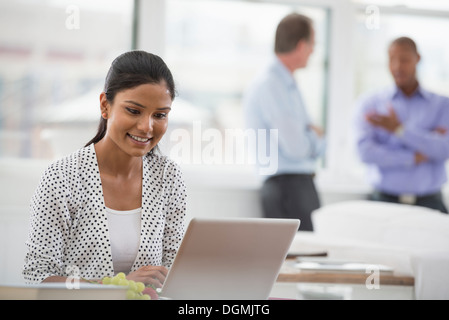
x=114, y=162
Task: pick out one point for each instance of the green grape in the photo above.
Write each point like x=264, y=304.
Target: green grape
x=121, y=275
x=132, y=285
x=106, y=280
x=123, y=282
x=140, y=286
x=131, y=295
x=115, y=281
x=135, y=289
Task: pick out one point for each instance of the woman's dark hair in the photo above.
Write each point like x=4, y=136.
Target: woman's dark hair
x=129, y=70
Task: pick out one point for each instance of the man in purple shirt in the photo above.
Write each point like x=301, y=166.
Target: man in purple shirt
x=402, y=135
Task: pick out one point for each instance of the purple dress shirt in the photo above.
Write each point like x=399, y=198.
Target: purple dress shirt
x=390, y=157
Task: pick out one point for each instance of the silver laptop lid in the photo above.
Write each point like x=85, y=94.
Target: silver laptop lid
x=229, y=258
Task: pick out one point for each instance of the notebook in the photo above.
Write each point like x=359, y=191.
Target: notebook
x=229, y=259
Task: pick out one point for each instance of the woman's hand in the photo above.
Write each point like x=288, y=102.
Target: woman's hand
x=149, y=275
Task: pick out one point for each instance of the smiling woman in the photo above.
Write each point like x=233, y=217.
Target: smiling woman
x=136, y=127
x=115, y=205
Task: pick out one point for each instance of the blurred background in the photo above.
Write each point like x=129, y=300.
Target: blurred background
x=54, y=55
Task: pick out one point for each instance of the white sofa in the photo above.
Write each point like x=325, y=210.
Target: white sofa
x=413, y=240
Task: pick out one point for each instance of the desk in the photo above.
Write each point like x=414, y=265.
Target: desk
x=289, y=273
x=293, y=283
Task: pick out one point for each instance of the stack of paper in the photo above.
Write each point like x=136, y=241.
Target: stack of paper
x=327, y=265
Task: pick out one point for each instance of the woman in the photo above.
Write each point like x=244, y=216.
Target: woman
x=114, y=205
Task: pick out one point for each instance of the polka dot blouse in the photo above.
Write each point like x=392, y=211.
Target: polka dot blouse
x=68, y=223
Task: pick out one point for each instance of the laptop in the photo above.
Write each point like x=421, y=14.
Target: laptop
x=229, y=259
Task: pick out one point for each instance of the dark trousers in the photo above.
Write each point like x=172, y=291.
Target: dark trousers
x=290, y=196
x=432, y=201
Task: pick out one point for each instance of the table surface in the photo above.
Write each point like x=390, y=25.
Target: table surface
x=289, y=273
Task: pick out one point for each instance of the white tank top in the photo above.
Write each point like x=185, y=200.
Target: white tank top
x=124, y=233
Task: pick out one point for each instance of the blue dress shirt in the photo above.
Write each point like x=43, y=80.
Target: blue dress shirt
x=273, y=102
x=391, y=156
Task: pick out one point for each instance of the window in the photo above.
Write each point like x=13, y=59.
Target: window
x=216, y=48
x=54, y=56
x=425, y=28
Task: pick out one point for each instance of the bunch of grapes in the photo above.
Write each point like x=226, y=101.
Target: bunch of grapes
x=136, y=290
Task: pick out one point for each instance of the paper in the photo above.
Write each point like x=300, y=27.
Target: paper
x=324, y=264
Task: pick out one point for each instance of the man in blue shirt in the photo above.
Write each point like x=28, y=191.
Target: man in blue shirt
x=274, y=102
x=402, y=135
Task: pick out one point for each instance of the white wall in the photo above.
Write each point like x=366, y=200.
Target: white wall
x=18, y=179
